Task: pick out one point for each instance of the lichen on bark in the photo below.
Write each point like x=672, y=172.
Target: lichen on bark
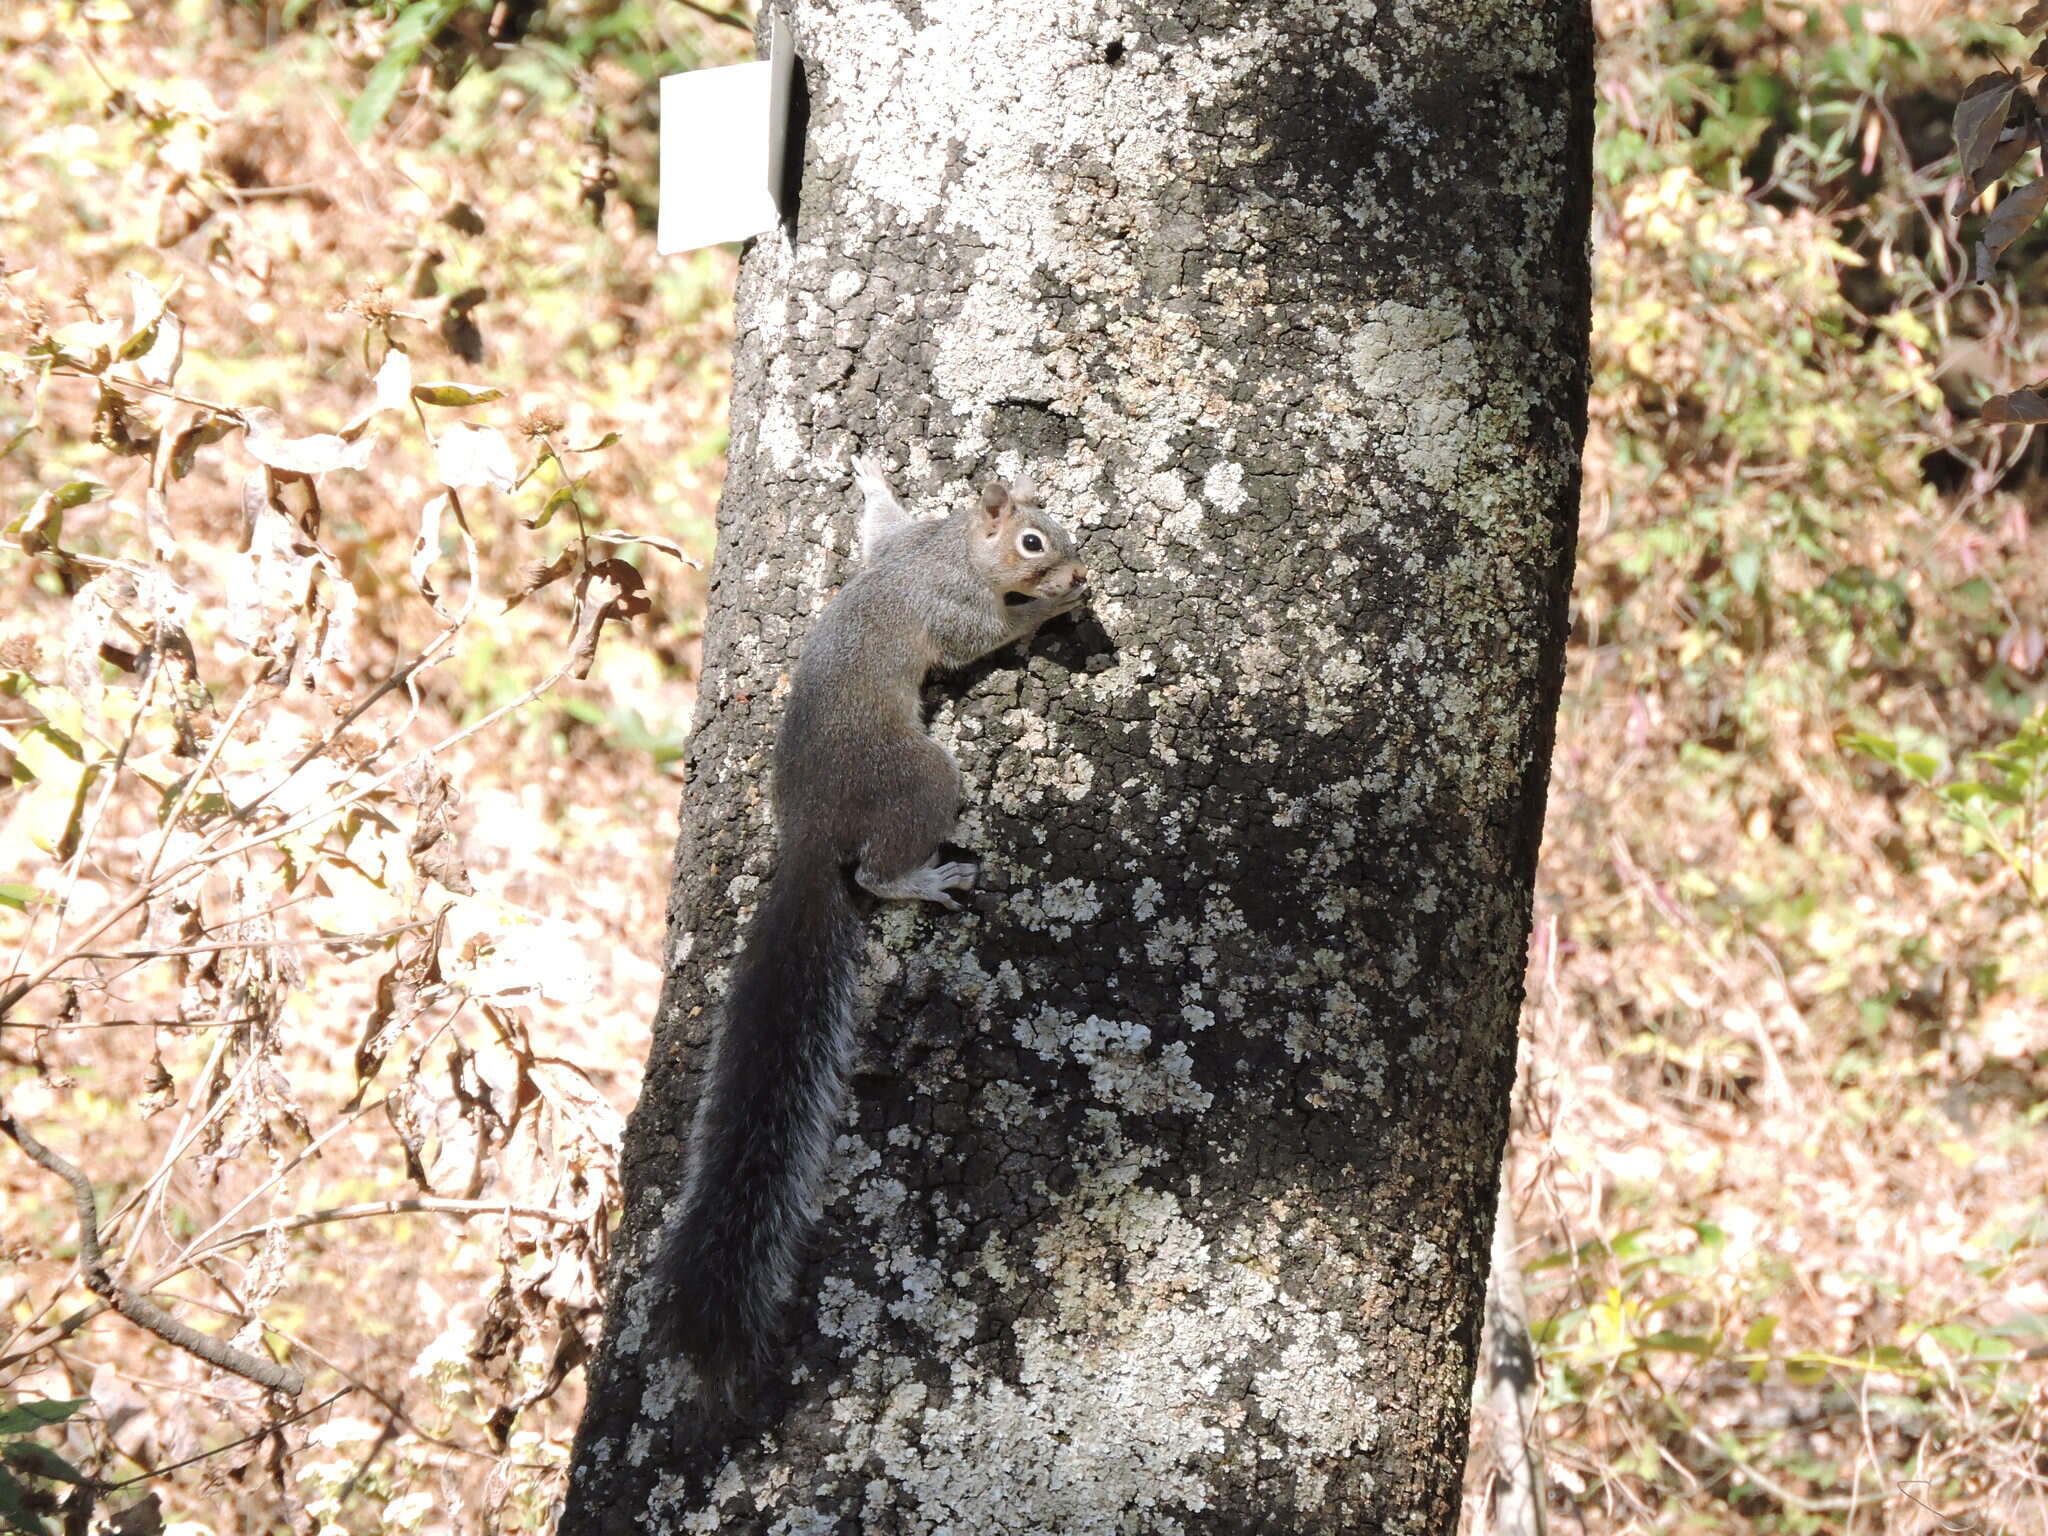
x=1163, y=1196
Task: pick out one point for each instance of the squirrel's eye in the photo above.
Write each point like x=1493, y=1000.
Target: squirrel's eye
x=1031, y=544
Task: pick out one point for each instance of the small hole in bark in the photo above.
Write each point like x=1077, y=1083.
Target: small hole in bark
x=1113, y=51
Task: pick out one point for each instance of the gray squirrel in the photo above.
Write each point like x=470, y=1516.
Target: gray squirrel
x=860, y=789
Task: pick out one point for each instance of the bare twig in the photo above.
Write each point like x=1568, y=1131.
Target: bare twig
x=91, y=827
x=311, y=1149
x=203, y=861
x=213, y=751
x=257, y=1434
x=139, y=1309
x=153, y=1190
x=320, y=941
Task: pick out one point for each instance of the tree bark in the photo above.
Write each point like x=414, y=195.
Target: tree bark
x=1165, y=1187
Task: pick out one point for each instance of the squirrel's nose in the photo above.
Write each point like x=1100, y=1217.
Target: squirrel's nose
x=1079, y=578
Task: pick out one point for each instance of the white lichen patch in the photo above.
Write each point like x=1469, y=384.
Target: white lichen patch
x=1123, y=1069
x=1315, y=1393
x=934, y=1306
x=848, y=1314
x=1058, y=907
x=1115, y=1413
x=1418, y=372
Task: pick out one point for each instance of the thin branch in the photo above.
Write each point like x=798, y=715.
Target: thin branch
x=62, y=906
x=396, y=1408
x=152, y=1192
x=213, y=751
x=257, y=1434
x=323, y=941
x=215, y=1021
x=1790, y=1498
x=199, y=863
x=139, y=1310
x=408, y=1206
x=183, y=1261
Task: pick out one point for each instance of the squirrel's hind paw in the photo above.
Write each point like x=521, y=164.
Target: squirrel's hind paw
x=931, y=882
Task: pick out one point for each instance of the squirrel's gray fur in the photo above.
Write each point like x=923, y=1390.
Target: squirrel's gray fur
x=859, y=789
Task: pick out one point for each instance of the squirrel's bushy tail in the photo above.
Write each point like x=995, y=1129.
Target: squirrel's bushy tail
x=765, y=1124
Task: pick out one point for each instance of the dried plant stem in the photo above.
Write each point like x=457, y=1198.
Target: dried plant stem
x=184, y=1259
x=152, y=1192
x=221, y=738
x=405, y=1206
x=138, y=1309
x=257, y=1434
x=89, y=830
x=200, y=862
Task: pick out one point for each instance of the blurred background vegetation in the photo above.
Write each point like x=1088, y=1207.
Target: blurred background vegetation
x=1778, y=1162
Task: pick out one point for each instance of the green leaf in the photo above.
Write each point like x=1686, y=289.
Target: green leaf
x=445, y=393
x=1746, y=568
x=1758, y=1335
x=403, y=44
x=37, y=1413
x=78, y=492
x=564, y=496
x=40, y=1461
x=17, y=896
x=14, y=1510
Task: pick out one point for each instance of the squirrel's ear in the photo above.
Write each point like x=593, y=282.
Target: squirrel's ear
x=995, y=500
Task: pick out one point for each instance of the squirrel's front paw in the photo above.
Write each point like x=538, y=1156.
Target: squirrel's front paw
x=950, y=877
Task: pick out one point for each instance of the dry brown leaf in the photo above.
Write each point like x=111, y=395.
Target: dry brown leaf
x=1980, y=116
x=202, y=427
x=613, y=589
x=2021, y=134
x=2009, y=220
x=426, y=549
x=666, y=546
x=2021, y=407
x=535, y=574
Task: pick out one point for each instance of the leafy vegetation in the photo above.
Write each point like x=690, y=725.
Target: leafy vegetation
x=1779, y=1172
x=341, y=482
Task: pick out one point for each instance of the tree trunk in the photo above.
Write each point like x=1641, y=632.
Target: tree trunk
x=1164, y=1192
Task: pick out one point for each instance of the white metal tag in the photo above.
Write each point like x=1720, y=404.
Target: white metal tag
x=724, y=142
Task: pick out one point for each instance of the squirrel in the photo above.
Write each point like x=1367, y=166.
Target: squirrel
x=859, y=789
